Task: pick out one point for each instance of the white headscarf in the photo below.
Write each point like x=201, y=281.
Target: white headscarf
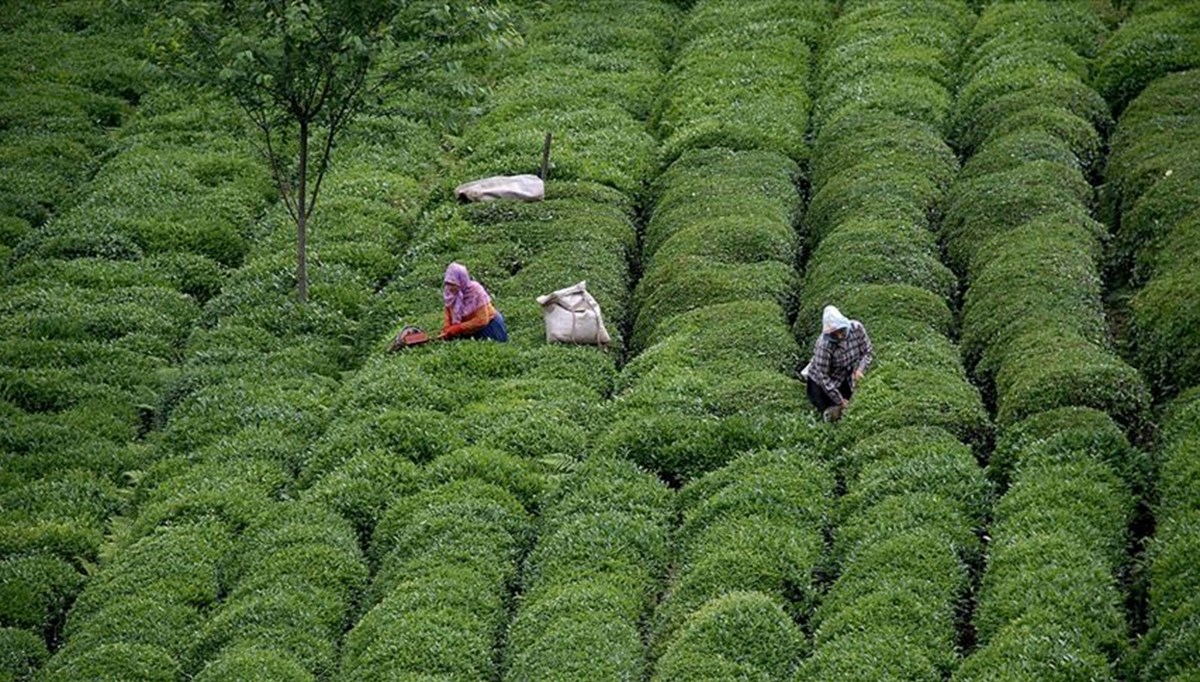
x=832, y=320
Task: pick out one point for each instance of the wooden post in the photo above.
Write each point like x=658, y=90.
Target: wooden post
x=546, y=157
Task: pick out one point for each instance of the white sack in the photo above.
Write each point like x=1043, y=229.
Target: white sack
x=573, y=316
x=519, y=187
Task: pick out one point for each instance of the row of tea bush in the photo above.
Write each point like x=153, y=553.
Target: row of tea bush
x=1019, y=227
x=713, y=374
x=1152, y=197
x=904, y=541
x=94, y=313
x=452, y=593
x=271, y=585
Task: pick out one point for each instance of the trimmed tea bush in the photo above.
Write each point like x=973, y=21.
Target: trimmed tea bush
x=596, y=139
x=1033, y=324
x=1036, y=646
x=894, y=396
x=903, y=539
x=1066, y=435
x=899, y=590
x=446, y=557
x=741, y=635
x=254, y=664
x=116, y=661
x=751, y=528
x=68, y=88
x=586, y=595
x=1158, y=37
x=576, y=630
x=175, y=563
x=915, y=459
x=303, y=624
x=733, y=83
x=21, y=654
x=1059, y=540
x=36, y=591
x=1154, y=197
x=235, y=492
x=1170, y=644
x=877, y=252
x=142, y=620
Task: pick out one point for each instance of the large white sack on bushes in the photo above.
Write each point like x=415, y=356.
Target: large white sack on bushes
x=573, y=316
x=519, y=187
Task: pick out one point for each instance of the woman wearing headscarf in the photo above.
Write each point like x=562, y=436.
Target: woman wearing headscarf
x=841, y=357
x=469, y=310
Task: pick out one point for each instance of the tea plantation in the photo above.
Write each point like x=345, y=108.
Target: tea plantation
x=203, y=478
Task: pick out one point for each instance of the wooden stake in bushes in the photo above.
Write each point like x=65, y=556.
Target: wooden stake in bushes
x=546, y=157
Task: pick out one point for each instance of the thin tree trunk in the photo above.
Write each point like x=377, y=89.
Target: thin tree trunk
x=302, y=218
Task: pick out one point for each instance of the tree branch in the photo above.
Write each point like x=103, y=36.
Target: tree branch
x=281, y=180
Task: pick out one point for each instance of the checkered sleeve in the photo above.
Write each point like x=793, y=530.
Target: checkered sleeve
x=822, y=371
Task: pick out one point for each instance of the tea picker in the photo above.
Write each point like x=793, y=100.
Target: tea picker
x=841, y=357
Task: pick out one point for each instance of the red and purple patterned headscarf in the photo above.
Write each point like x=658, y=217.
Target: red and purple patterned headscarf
x=471, y=295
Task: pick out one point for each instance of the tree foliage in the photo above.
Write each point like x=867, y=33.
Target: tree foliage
x=303, y=69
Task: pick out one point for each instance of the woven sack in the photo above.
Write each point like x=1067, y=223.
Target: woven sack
x=573, y=316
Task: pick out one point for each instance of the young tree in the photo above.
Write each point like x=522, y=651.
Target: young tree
x=302, y=70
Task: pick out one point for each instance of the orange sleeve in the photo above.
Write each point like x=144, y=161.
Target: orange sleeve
x=478, y=320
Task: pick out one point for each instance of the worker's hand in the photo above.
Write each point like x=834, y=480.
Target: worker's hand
x=845, y=403
x=857, y=376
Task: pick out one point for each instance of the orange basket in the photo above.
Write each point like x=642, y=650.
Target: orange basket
x=409, y=336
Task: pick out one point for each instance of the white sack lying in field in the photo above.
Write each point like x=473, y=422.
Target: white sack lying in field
x=519, y=187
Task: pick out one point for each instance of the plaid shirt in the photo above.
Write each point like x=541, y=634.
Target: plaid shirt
x=833, y=363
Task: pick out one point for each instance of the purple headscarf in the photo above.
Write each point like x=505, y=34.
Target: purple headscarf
x=471, y=295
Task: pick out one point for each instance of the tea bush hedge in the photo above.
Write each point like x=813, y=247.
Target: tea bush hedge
x=174, y=562
x=685, y=364
x=708, y=238
x=63, y=101
x=181, y=202
x=22, y=652
x=297, y=579
x=147, y=602
x=1064, y=434
x=1059, y=541
x=912, y=80
x=749, y=552
x=296, y=542
x=35, y=591
x=732, y=84
x=1034, y=328
x=521, y=403
x=114, y=660
x=903, y=541
x=912, y=579
x=740, y=635
x=915, y=459
x=304, y=624
x=1033, y=324
x=1157, y=38
x=446, y=557
x=119, y=322
x=576, y=630
x=1169, y=645
x=1151, y=195
x=596, y=140
x=255, y=663
x=585, y=596
x=1036, y=646
x=755, y=524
